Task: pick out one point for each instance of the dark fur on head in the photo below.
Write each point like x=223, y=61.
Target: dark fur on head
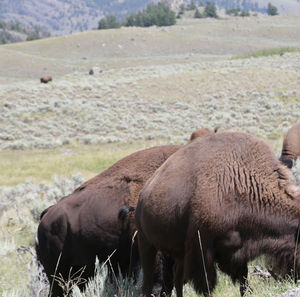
x=124, y=211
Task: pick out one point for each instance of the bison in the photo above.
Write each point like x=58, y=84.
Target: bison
x=85, y=224
x=45, y=79
x=202, y=132
x=223, y=199
x=291, y=146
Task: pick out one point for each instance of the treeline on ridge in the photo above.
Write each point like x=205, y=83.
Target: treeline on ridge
x=16, y=32
x=159, y=14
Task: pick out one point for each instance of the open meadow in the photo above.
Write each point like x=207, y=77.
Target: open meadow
x=150, y=86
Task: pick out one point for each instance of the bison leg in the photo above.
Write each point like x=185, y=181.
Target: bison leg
x=243, y=279
x=168, y=275
x=200, y=266
x=179, y=278
x=148, y=261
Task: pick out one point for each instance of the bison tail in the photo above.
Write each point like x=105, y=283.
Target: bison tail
x=37, y=245
x=124, y=211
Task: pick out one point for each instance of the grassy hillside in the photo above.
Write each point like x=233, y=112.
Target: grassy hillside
x=66, y=16
x=190, y=40
x=151, y=86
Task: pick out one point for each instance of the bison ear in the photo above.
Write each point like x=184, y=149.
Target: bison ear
x=124, y=211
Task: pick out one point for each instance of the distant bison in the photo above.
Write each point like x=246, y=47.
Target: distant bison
x=224, y=199
x=85, y=224
x=202, y=132
x=45, y=79
x=291, y=146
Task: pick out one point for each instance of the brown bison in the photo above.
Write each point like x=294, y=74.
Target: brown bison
x=223, y=199
x=291, y=146
x=45, y=79
x=85, y=224
x=202, y=132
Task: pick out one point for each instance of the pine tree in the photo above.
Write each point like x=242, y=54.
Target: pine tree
x=210, y=10
x=102, y=24
x=158, y=14
x=272, y=10
x=245, y=13
x=198, y=14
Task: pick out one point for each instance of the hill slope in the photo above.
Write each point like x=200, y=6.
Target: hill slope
x=155, y=83
x=17, y=32
x=66, y=16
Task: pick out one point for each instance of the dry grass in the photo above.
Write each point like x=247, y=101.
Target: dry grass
x=197, y=40
x=40, y=165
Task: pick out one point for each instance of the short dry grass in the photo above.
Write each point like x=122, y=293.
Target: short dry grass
x=196, y=39
x=39, y=165
x=268, y=52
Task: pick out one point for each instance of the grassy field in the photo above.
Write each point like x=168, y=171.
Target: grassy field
x=39, y=165
x=156, y=86
x=192, y=39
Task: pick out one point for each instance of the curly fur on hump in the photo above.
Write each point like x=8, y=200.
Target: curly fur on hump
x=230, y=189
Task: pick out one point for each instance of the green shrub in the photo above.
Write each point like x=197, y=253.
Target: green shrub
x=210, y=10
x=244, y=13
x=109, y=22
x=233, y=11
x=191, y=5
x=272, y=10
x=33, y=36
x=198, y=14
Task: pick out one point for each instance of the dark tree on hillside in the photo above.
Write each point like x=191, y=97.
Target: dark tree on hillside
x=233, y=11
x=181, y=9
x=102, y=24
x=158, y=14
x=245, y=13
x=210, y=10
x=109, y=22
x=2, y=25
x=112, y=21
x=272, y=10
x=33, y=36
x=198, y=14
x=192, y=5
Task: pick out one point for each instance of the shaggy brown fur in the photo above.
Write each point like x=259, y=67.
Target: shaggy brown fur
x=45, y=79
x=227, y=191
x=291, y=146
x=202, y=132
x=95, y=220
x=85, y=224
